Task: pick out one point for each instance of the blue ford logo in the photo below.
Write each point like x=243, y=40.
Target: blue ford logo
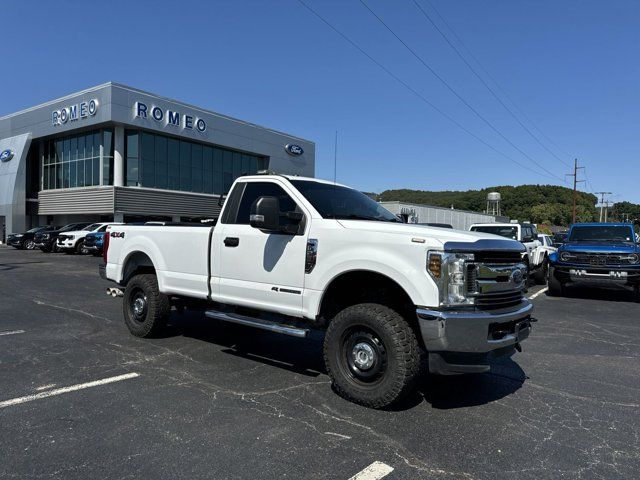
x=517, y=276
x=295, y=150
x=6, y=155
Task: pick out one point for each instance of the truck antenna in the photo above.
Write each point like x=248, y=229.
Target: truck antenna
x=335, y=158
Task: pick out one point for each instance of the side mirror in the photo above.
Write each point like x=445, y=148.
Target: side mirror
x=265, y=214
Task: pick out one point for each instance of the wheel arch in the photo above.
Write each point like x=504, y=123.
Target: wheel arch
x=360, y=286
x=135, y=263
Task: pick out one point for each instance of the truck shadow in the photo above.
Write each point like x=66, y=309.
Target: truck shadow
x=301, y=356
x=305, y=357
x=606, y=294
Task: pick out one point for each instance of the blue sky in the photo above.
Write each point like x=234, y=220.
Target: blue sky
x=571, y=66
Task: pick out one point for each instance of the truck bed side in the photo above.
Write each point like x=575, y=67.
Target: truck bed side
x=179, y=255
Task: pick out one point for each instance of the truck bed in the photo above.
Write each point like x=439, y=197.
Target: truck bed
x=179, y=254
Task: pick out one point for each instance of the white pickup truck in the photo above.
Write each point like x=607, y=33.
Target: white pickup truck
x=290, y=254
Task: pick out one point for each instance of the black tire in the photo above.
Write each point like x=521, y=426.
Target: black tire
x=541, y=274
x=146, y=310
x=45, y=249
x=80, y=248
x=556, y=288
x=29, y=244
x=390, y=347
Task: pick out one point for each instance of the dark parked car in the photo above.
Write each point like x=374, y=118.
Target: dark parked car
x=597, y=254
x=46, y=240
x=26, y=240
x=94, y=242
x=560, y=239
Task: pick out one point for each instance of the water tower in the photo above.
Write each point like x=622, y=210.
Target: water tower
x=493, y=203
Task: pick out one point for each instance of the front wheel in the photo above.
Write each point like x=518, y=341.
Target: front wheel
x=29, y=245
x=146, y=310
x=80, y=248
x=372, y=355
x=556, y=288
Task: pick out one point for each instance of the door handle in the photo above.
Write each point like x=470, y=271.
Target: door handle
x=231, y=242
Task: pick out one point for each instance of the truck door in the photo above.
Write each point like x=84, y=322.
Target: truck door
x=255, y=268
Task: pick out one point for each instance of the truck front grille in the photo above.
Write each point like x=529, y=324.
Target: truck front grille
x=494, y=301
x=496, y=284
x=600, y=259
x=498, y=257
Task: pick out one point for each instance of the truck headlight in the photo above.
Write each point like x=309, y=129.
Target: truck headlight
x=449, y=271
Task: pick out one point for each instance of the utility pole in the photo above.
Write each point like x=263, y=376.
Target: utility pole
x=575, y=185
x=606, y=211
x=602, y=194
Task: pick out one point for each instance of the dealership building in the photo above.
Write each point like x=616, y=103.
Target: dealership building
x=117, y=153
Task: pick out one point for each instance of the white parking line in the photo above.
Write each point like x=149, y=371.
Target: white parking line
x=537, y=294
x=12, y=332
x=375, y=471
x=72, y=388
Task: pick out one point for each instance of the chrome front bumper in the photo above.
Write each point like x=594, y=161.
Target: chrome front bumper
x=471, y=336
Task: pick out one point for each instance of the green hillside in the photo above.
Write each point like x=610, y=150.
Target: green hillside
x=547, y=204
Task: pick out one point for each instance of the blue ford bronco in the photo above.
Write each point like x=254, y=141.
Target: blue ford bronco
x=597, y=254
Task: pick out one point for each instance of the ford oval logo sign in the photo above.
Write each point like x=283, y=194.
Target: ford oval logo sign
x=6, y=155
x=517, y=276
x=295, y=150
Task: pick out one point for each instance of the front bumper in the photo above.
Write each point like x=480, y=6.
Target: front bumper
x=462, y=341
x=596, y=276
x=67, y=244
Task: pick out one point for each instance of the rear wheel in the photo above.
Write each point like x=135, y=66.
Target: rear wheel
x=372, y=355
x=146, y=310
x=540, y=276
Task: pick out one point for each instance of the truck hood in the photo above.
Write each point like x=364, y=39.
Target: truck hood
x=599, y=247
x=451, y=239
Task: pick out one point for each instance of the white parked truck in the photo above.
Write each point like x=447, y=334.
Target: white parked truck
x=291, y=254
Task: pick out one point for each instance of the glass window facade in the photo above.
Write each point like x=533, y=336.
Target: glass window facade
x=158, y=161
x=74, y=161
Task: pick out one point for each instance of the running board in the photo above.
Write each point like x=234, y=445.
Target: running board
x=258, y=323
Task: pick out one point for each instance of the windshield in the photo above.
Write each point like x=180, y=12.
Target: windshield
x=601, y=233
x=36, y=229
x=335, y=201
x=91, y=227
x=507, y=232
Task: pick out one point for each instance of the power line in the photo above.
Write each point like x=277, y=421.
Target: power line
x=487, y=86
x=454, y=91
x=416, y=93
x=502, y=90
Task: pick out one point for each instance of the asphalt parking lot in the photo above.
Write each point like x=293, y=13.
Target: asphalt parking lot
x=82, y=398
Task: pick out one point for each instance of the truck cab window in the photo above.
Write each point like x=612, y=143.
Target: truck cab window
x=255, y=190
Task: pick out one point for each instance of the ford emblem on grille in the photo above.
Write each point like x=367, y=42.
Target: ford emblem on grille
x=516, y=276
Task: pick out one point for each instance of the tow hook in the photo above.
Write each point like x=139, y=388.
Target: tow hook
x=115, y=292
